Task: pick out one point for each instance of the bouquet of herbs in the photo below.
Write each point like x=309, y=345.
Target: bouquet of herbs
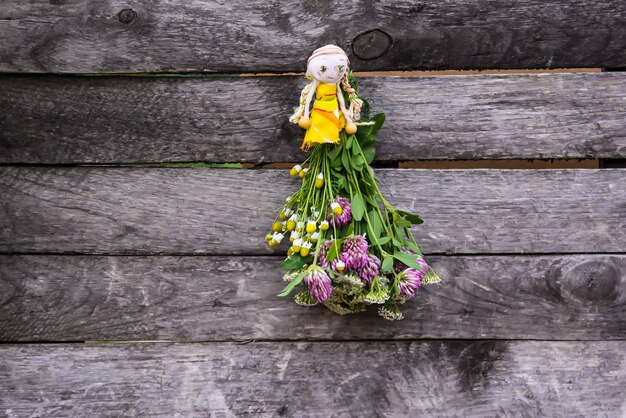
x=348, y=246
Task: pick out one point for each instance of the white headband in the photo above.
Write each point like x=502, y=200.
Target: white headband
x=328, y=49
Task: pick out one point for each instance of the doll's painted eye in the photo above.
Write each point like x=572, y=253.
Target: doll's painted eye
x=323, y=68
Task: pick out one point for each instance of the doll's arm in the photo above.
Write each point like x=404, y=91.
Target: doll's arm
x=304, y=122
x=350, y=125
x=342, y=104
x=309, y=97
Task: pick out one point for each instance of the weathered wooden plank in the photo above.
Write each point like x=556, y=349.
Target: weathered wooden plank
x=121, y=120
x=332, y=379
x=62, y=298
x=221, y=211
x=170, y=36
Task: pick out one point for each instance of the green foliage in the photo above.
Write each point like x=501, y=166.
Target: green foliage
x=358, y=207
x=408, y=260
x=295, y=261
x=411, y=217
x=292, y=284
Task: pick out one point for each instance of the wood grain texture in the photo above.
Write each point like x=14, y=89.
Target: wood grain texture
x=221, y=211
x=97, y=36
x=361, y=379
x=52, y=120
x=79, y=298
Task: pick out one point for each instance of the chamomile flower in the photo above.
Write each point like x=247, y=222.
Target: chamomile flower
x=319, y=181
x=297, y=245
x=291, y=222
x=295, y=170
x=305, y=249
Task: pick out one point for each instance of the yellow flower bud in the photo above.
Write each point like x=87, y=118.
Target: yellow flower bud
x=319, y=181
x=324, y=225
x=297, y=244
x=289, y=252
x=306, y=248
x=337, y=210
x=310, y=227
x=268, y=237
x=277, y=227
x=340, y=266
x=295, y=170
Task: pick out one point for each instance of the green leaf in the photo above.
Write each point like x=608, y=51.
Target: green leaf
x=345, y=160
x=334, y=153
x=350, y=230
x=349, y=141
x=369, y=153
x=397, y=232
x=376, y=223
x=411, y=217
x=387, y=265
x=356, y=149
x=292, y=284
x=334, y=249
x=413, y=247
x=295, y=262
x=371, y=200
x=403, y=223
x=358, y=207
x=341, y=183
x=358, y=162
x=384, y=240
x=408, y=259
x=379, y=118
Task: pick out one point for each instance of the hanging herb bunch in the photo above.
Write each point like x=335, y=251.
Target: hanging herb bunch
x=348, y=246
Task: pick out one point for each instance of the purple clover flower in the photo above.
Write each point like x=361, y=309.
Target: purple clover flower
x=410, y=279
x=346, y=214
x=319, y=284
x=321, y=255
x=370, y=269
x=354, y=253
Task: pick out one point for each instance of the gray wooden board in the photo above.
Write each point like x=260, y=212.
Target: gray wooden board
x=250, y=36
x=229, y=211
x=316, y=379
x=51, y=120
x=79, y=298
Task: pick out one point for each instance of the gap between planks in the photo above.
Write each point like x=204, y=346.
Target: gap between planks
x=300, y=340
x=509, y=164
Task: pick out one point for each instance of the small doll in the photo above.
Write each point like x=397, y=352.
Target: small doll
x=348, y=246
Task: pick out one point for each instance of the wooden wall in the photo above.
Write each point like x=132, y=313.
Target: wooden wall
x=134, y=279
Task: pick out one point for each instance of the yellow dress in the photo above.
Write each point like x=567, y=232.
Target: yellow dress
x=326, y=118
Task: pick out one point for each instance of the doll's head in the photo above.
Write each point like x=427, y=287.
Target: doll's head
x=328, y=64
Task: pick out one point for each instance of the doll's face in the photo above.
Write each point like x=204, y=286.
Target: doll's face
x=328, y=68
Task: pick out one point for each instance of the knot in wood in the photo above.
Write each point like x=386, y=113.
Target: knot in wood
x=127, y=16
x=371, y=44
x=592, y=281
